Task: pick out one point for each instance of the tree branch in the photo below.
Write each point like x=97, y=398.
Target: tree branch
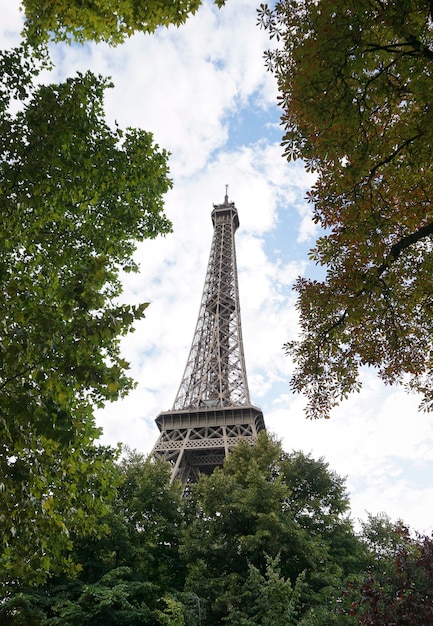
x=411, y=41
x=391, y=156
x=402, y=245
x=417, y=45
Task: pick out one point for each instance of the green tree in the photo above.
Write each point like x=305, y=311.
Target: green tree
x=127, y=575
x=103, y=20
x=152, y=510
x=355, y=78
x=266, y=600
x=382, y=538
x=247, y=515
x=75, y=197
x=244, y=547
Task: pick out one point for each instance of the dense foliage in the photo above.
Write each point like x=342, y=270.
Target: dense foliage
x=263, y=505
x=124, y=574
x=245, y=547
x=103, y=21
x=355, y=83
x=266, y=540
x=75, y=197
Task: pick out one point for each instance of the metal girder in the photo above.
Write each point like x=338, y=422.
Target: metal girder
x=212, y=410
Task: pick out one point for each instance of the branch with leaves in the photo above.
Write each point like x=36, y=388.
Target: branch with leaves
x=76, y=197
x=102, y=21
x=355, y=85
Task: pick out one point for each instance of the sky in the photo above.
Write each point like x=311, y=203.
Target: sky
x=204, y=93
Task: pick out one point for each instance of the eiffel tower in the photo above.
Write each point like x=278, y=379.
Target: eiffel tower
x=212, y=411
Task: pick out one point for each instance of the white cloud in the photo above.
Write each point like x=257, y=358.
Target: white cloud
x=12, y=23
x=181, y=83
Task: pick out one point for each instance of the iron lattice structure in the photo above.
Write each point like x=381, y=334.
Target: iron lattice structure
x=212, y=411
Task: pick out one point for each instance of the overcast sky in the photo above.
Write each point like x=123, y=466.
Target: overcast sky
x=205, y=94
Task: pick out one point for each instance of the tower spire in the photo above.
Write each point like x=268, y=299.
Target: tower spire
x=212, y=411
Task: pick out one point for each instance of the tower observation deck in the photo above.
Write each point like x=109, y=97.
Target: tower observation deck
x=212, y=411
